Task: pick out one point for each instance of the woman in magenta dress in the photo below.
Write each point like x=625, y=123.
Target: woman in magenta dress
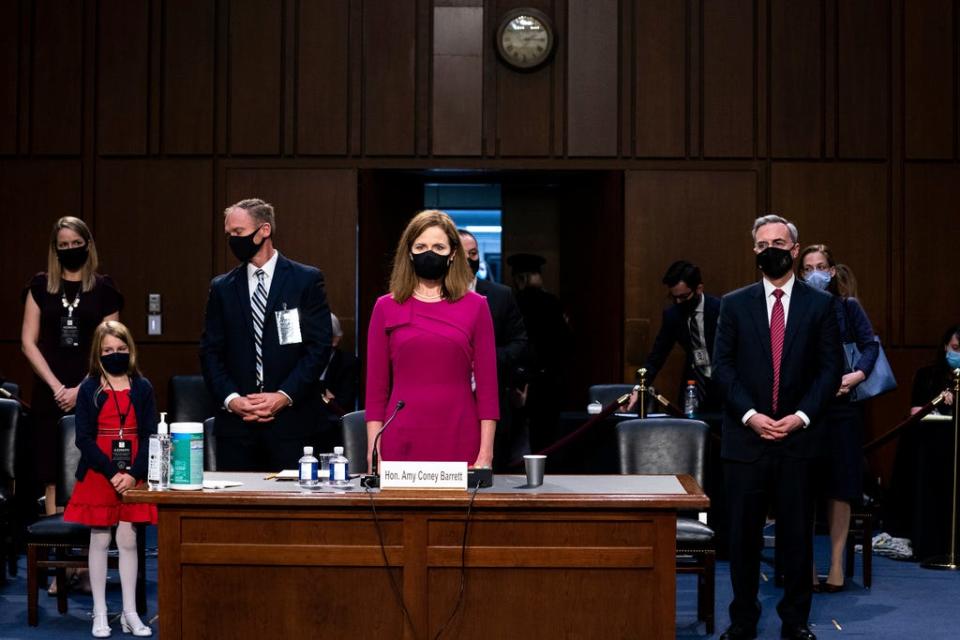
x=116, y=412
x=431, y=345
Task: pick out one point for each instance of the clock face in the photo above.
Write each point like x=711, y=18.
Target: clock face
x=525, y=40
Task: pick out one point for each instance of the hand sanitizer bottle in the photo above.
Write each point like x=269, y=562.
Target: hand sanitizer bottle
x=158, y=466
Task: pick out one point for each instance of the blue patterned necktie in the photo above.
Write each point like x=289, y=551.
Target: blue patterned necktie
x=259, y=308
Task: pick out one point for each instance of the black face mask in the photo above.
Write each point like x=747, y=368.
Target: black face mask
x=774, y=262
x=474, y=265
x=430, y=266
x=116, y=363
x=74, y=258
x=243, y=247
x=687, y=307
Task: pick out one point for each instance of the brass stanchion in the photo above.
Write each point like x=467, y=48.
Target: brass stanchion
x=949, y=561
x=642, y=393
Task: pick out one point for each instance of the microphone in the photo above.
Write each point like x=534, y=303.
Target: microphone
x=372, y=480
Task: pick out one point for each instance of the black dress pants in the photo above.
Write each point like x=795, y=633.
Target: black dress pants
x=751, y=488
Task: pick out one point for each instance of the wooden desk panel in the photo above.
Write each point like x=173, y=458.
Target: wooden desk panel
x=266, y=563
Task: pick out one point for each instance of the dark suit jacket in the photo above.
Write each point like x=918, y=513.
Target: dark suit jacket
x=674, y=329
x=87, y=415
x=810, y=370
x=341, y=378
x=227, y=353
x=511, y=335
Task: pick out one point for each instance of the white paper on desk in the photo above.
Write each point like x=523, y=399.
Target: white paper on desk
x=221, y=484
x=936, y=417
x=288, y=474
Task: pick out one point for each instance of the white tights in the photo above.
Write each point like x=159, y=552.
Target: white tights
x=127, y=545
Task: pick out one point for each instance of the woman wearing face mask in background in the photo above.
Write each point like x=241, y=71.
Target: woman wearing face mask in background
x=921, y=486
x=431, y=346
x=116, y=413
x=843, y=459
x=62, y=307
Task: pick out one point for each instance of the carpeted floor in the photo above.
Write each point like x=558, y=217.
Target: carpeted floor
x=905, y=602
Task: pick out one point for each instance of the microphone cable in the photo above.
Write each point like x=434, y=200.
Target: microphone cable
x=386, y=563
x=463, y=564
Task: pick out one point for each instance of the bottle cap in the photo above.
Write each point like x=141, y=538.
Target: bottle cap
x=338, y=451
x=308, y=451
x=162, y=425
x=691, y=382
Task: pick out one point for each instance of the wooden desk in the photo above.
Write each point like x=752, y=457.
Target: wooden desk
x=579, y=557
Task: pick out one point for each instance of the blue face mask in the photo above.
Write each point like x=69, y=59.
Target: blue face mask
x=953, y=359
x=818, y=279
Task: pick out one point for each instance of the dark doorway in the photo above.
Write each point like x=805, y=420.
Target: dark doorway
x=573, y=218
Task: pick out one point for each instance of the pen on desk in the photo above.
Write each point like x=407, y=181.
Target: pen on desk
x=837, y=625
x=270, y=476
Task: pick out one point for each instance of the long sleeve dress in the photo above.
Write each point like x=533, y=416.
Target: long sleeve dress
x=431, y=356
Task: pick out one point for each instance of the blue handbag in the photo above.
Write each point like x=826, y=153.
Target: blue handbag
x=881, y=379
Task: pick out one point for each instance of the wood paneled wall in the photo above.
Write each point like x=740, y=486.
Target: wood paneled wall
x=147, y=117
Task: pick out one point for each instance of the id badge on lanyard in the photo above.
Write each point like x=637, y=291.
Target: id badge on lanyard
x=69, y=332
x=121, y=449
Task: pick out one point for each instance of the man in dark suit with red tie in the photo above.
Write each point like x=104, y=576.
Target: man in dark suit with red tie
x=778, y=361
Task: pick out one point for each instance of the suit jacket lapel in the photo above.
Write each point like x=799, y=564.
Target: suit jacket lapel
x=798, y=310
x=242, y=287
x=280, y=274
x=758, y=311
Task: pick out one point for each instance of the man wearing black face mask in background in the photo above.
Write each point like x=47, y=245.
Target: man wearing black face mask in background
x=778, y=362
x=691, y=322
x=266, y=339
x=511, y=337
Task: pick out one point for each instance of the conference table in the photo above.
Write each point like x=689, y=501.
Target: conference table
x=578, y=557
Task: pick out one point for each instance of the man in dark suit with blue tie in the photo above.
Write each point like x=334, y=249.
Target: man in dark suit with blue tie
x=778, y=361
x=691, y=322
x=266, y=339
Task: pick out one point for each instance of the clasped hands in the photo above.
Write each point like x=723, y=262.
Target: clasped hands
x=770, y=429
x=123, y=482
x=66, y=398
x=259, y=407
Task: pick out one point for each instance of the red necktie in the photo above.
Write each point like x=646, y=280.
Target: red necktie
x=777, y=326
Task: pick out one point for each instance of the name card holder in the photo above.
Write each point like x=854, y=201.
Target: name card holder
x=423, y=475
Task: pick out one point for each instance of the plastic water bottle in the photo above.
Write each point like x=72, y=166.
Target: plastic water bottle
x=158, y=461
x=308, y=469
x=690, y=399
x=339, y=474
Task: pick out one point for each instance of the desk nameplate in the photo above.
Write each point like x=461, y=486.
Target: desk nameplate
x=423, y=475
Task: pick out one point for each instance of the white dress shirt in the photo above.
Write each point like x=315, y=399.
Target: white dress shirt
x=268, y=268
x=768, y=289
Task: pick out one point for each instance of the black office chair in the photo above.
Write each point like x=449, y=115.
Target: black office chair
x=68, y=541
x=354, y=428
x=209, y=445
x=9, y=423
x=12, y=388
x=607, y=393
x=675, y=446
x=190, y=401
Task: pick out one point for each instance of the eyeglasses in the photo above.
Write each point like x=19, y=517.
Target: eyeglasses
x=682, y=298
x=763, y=244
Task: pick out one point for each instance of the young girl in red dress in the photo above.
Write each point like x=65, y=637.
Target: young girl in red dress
x=115, y=415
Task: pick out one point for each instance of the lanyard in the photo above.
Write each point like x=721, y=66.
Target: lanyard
x=123, y=416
